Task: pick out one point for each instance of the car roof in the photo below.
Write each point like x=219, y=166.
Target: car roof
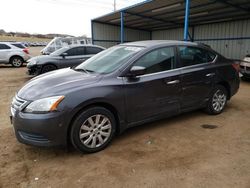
x=10, y=44
x=82, y=45
x=152, y=43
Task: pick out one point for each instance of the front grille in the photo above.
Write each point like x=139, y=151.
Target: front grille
x=18, y=103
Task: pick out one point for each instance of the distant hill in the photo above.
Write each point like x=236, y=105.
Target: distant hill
x=42, y=36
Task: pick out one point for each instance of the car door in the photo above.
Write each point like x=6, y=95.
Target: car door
x=197, y=76
x=4, y=53
x=73, y=57
x=157, y=92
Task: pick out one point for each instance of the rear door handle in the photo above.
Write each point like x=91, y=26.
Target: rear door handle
x=210, y=75
x=173, y=82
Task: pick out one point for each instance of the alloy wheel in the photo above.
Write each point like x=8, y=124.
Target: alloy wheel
x=95, y=131
x=17, y=62
x=219, y=101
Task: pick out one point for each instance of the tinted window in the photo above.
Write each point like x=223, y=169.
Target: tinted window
x=76, y=51
x=18, y=45
x=93, y=50
x=193, y=56
x=4, y=47
x=158, y=60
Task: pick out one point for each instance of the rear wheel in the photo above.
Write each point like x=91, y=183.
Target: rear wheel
x=93, y=130
x=16, y=61
x=48, y=68
x=217, y=101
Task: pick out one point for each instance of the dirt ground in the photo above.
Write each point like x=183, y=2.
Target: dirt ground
x=175, y=152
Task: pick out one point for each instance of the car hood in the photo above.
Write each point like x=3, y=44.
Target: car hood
x=41, y=59
x=59, y=82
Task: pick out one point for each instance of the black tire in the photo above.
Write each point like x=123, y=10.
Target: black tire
x=244, y=78
x=82, y=123
x=215, y=107
x=16, y=61
x=48, y=68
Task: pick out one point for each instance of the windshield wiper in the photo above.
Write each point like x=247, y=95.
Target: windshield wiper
x=83, y=70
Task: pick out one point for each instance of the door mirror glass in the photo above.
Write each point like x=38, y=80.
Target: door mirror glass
x=136, y=71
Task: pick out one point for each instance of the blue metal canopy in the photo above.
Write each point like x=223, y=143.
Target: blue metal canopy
x=153, y=15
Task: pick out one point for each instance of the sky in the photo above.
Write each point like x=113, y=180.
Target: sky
x=55, y=16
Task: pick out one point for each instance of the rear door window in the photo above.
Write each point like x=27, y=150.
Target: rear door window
x=193, y=56
x=93, y=50
x=4, y=47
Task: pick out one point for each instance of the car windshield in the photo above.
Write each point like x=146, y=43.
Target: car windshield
x=59, y=52
x=109, y=60
x=248, y=55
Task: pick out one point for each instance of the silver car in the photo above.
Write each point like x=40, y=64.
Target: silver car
x=13, y=53
x=245, y=67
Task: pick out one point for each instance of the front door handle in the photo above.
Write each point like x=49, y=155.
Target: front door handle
x=173, y=82
x=210, y=75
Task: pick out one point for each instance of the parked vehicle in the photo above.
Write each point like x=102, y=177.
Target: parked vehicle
x=13, y=53
x=59, y=42
x=245, y=67
x=123, y=86
x=64, y=57
x=18, y=45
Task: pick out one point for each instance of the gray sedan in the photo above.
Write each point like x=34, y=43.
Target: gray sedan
x=62, y=58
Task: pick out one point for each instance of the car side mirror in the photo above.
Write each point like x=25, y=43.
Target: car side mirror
x=64, y=54
x=136, y=71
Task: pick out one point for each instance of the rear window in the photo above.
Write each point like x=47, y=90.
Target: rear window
x=194, y=56
x=18, y=45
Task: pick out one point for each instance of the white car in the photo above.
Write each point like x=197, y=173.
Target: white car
x=13, y=53
x=245, y=67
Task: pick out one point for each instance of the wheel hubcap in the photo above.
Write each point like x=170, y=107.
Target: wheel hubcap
x=219, y=101
x=17, y=62
x=95, y=131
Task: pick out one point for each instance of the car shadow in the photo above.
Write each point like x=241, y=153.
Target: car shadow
x=10, y=66
x=130, y=133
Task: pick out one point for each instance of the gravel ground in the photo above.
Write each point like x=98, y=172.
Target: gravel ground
x=176, y=152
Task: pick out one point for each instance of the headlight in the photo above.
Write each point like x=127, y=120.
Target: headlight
x=31, y=62
x=44, y=105
x=247, y=59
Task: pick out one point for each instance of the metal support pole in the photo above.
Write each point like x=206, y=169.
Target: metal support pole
x=92, y=32
x=186, y=20
x=114, y=5
x=122, y=26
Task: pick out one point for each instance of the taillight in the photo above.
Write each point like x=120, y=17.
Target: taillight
x=236, y=66
x=26, y=50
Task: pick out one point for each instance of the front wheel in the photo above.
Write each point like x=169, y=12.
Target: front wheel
x=48, y=68
x=217, y=101
x=93, y=130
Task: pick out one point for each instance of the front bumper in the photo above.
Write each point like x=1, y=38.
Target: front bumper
x=34, y=70
x=40, y=129
x=245, y=69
